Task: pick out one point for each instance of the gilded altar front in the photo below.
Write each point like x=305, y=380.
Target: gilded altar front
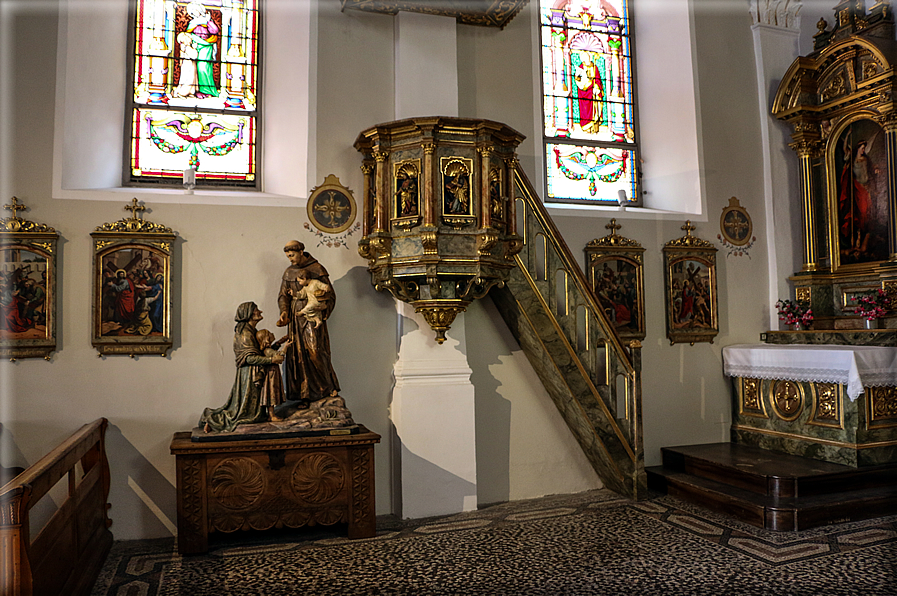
x=830, y=403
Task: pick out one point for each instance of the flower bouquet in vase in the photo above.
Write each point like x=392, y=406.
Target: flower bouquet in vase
x=872, y=307
x=797, y=315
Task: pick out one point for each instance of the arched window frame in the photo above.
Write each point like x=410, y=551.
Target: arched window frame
x=193, y=96
x=587, y=65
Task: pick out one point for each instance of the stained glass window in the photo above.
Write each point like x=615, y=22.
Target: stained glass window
x=588, y=102
x=194, y=92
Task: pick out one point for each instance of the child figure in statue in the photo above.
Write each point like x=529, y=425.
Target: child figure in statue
x=314, y=291
x=271, y=394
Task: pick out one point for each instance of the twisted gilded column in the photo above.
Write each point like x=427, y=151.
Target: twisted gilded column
x=806, y=151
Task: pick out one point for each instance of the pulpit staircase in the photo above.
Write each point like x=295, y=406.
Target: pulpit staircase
x=592, y=377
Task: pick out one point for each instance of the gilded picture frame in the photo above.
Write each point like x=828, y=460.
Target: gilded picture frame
x=690, y=287
x=615, y=270
x=331, y=207
x=132, y=286
x=28, y=320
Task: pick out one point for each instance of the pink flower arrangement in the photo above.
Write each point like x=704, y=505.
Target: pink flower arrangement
x=794, y=313
x=873, y=305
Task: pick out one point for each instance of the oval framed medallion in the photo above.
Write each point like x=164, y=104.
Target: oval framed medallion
x=331, y=206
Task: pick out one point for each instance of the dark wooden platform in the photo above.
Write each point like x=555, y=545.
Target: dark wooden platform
x=773, y=490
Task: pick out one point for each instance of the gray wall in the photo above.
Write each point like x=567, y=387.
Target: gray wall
x=229, y=254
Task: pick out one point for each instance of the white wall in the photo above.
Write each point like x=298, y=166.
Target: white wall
x=231, y=253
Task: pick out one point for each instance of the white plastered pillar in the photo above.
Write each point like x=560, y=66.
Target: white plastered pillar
x=432, y=406
x=776, y=32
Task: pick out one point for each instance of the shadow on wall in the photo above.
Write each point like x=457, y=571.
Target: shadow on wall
x=493, y=412
x=436, y=490
x=143, y=500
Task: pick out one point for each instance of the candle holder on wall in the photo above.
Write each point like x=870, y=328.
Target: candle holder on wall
x=439, y=222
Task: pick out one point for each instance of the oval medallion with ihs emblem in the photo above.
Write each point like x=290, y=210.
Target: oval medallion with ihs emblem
x=317, y=478
x=237, y=483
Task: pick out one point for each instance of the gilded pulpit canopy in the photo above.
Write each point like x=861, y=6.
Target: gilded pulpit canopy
x=439, y=219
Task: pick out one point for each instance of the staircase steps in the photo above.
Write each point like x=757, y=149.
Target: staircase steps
x=772, y=490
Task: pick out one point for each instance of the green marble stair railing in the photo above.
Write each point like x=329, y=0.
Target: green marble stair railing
x=593, y=379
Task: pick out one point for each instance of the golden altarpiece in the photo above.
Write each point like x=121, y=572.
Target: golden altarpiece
x=830, y=392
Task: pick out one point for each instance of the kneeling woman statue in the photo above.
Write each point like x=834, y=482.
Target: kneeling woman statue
x=245, y=403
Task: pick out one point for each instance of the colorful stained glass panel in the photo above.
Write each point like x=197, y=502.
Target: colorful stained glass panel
x=197, y=54
x=195, y=90
x=587, y=90
x=220, y=147
x=593, y=174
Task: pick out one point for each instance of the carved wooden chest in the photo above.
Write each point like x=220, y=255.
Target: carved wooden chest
x=272, y=483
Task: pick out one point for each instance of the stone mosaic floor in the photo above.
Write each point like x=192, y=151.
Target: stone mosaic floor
x=587, y=543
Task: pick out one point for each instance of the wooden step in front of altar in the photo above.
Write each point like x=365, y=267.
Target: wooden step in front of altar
x=772, y=490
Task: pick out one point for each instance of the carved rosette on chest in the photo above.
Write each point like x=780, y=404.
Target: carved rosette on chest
x=438, y=213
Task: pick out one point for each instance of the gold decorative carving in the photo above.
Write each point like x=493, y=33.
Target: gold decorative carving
x=439, y=315
x=133, y=224
x=882, y=406
x=751, y=395
x=613, y=240
x=803, y=294
x=828, y=405
x=836, y=86
x=787, y=398
x=17, y=224
x=429, y=242
x=317, y=478
x=237, y=483
x=689, y=241
x=751, y=402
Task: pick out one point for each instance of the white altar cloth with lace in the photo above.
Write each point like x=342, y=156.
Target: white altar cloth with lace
x=854, y=366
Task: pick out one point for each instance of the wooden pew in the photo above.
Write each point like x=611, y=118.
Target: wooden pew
x=67, y=554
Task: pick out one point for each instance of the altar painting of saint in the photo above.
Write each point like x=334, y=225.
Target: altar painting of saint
x=23, y=295
x=861, y=193
x=132, y=293
x=690, y=295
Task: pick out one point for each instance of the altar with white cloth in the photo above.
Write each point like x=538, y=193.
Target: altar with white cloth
x=834, y=403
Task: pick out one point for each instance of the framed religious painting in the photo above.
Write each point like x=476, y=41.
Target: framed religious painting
x=132, y=286
x=27, y=287
x=690, y=286
x=859, y=189
x=615, y=266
